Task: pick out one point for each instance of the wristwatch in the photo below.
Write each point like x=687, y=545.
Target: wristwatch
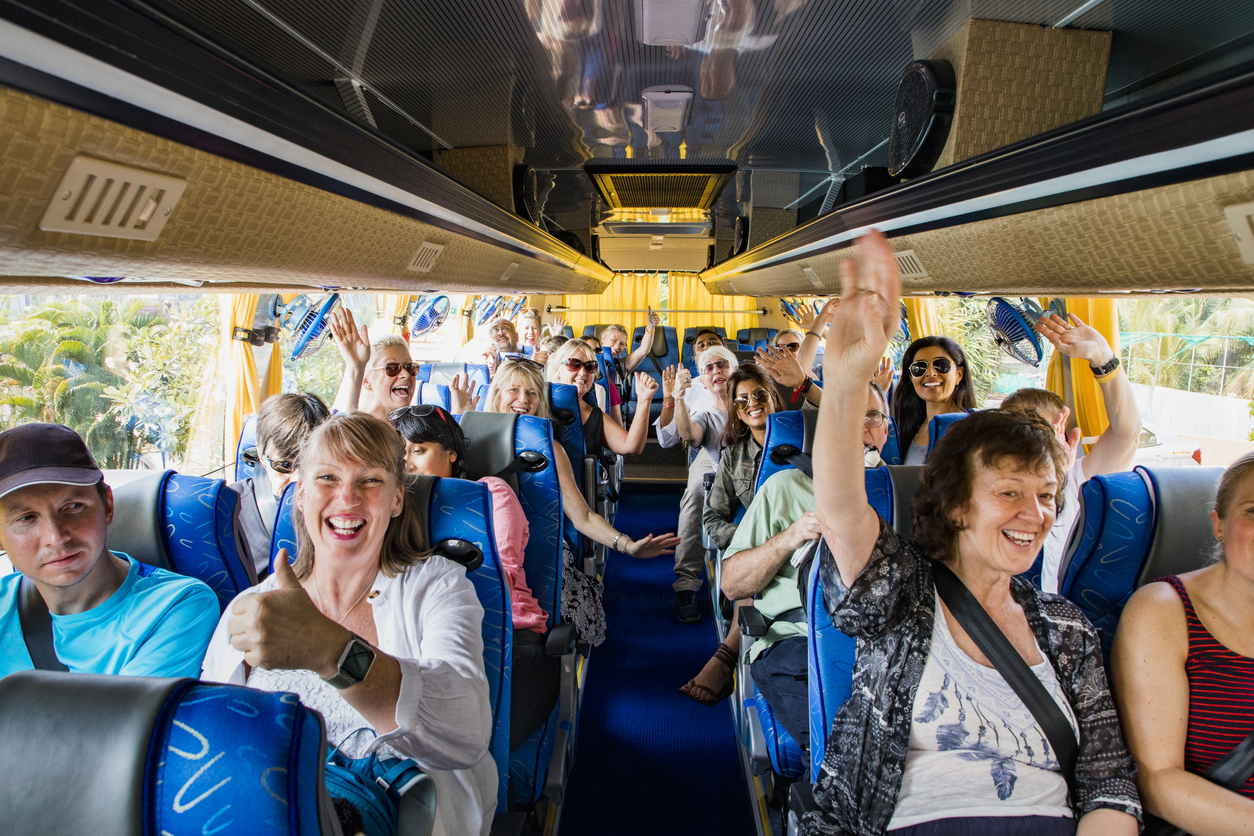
x=354, y=664
x=1106, y=368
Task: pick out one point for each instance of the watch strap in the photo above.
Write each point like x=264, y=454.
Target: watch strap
x=354, y=665
x=1106, y=369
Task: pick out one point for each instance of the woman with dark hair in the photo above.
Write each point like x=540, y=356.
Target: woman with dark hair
x=940, y=382
x=933, y=738
x=436, y=446
x=753, y=401
x=367, y=626
x=1183, y=665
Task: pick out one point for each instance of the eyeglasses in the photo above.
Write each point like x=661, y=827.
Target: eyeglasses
x=393, y=369
x=874, y=418
x=793, y=347
x=760, y=396
x=720, y=365
x=943, y=365
x=591, y=366
x=420, y=410
x=502, y=329
x=284, y=467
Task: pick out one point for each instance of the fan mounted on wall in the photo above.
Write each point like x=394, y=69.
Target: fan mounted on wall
x=924, y=110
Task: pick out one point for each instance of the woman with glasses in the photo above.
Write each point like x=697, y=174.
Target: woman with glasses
x=378, y=378
x=519, y=387
x=436, y=446
x=752, y=403
x=574, y=364
x=704, y=427
x=940, y=383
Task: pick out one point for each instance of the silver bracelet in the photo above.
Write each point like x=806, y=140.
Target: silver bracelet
x=614, y=545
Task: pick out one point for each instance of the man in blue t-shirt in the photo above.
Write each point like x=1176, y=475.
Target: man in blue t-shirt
x=108, y=613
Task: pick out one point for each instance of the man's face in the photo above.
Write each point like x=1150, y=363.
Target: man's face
x=875, y=436
x=704, y=341
x=55, y=534
x=280, y=469
x=504, y=335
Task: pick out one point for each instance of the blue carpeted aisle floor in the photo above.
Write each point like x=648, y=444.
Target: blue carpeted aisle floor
x=650, y=760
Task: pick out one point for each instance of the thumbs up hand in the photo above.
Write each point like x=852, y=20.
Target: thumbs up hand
x=282, y=629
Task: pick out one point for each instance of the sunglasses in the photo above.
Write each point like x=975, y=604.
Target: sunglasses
x=874, y=419
x=760, y=396
x=284, y=467
x=721, y=365
x=943, y=365
x=393, y=369
x=591, y=366
x=793, y=347
x=421, y=410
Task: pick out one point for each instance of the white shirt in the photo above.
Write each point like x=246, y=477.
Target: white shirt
x=1056, y=540
x=696, y=399
x=975, y=748
x=429, y=619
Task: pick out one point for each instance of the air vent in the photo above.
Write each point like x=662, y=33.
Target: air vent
x=113, y=201
x=812, y=276
x=909, y=265
x=677, y=187
x=1241, y=222
x=425, y=258
x=644, y=228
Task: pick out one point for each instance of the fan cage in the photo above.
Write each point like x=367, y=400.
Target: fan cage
x=1013, y=333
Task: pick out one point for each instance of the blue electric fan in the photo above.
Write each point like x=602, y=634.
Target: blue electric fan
x=427, y=313
x=1013, y=328
x=308, y=321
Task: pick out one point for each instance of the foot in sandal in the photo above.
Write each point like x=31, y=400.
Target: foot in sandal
x=714, y=683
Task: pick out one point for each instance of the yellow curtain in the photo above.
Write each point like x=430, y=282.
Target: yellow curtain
x=239, y=372
x=1090, y=410
x=392, y=306
x=467, y=326
x=274, y=372
x=688, y=293
x=627, y=291
x=923, y=317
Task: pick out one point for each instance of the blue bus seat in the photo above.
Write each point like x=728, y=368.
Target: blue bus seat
x=690, y=337
x=665, y=353
x=1136, y=527
x=610, y=372
x=443, y=372
x=795, y=427
x=753, y=338
x=891, y=454
x=186, y=524
x=541, y=764
x=246, y=452
x=592, y=330
x=424, y=373
x=152, y=755
x=904, y=484
x=895, y=447
x=434, y=393
x=568, y=431
x=478, y=373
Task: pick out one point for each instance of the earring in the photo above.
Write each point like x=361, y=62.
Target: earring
x=1220, y=538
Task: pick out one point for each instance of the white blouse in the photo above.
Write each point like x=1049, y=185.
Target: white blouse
x=429, y=619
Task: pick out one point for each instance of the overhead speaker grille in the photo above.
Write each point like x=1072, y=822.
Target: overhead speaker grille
x=656, y=187
x=921, y=118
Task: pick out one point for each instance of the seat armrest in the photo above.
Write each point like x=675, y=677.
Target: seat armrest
x=561, y=640
x=752, y=622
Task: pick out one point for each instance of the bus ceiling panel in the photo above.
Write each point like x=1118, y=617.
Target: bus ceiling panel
x=1200, y=130
x=124, y=67
x=1170, y=238
x=236, y=225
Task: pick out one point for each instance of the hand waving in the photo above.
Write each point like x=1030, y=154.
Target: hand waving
x=557, y=326
x=668, y=382
x=862, y=326
x=782, y=366
x=653, y=319
x=354, y=345
x=884, y=375
x=1075, y=339
x=461, y=395
x=646, y=387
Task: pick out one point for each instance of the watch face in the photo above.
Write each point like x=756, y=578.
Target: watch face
x=357, y=660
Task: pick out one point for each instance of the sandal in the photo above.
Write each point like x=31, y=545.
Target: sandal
x=703, y=695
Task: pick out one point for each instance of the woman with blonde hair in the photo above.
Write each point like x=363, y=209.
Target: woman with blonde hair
x=379, y=377
x=575, y=364
x=367, y=626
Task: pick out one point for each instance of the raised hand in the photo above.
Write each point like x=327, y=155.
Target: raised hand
x=683, y=380
x=556, y=326
x=668, y=382
x=824, y=316
x=281, y=629
x=653, y=319
x=884, y=374
x=461, y=395
x=540, y=357
x=652, y=546
x=354, y=344
x=862, y=326
x=806, y=317
x=782, y=366
x=646, y=387
x=1075, y=339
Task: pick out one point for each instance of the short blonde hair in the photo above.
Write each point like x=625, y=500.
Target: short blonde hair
x=505, y=376
x=717, y=351
x=529, y=313
x=775, y=342
x=360, y=437
x=564, y=352
x=388, y=341
x=608, y=328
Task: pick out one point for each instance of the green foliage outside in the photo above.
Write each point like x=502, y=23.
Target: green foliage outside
x=1178, y=343
x=123, y=373
x=965, y=322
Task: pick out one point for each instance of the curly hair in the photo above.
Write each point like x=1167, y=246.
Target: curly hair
x=750, y=373
x=910, y=410
x=983, y=439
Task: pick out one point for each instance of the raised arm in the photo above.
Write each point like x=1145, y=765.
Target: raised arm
x=689, y=430
x=782, y=366
x=856, y=340
x=814, y=325
x=354, y=346
x=1114, y=448
x=632, y=361
x=631, y=442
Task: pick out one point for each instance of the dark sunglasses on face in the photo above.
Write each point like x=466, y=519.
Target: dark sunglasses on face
x=421, y=410
x=943, y=365
x=760, y=396
x=284, y=467
x=793, y=347
x=591, y=366
x=720, y=365
x=874, y=419
x=393, y=369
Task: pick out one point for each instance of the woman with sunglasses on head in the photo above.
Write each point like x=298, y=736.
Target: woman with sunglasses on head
x=377, y=378
x=752, y=403
x=940, y=383
x=436, y=446
x=519, y=387
x=574, y=364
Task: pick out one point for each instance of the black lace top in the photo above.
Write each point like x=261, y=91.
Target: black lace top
x=889, y=611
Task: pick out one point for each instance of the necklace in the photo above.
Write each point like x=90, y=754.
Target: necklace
x=341, y=616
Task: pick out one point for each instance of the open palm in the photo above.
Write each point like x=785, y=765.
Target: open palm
x=863, y=325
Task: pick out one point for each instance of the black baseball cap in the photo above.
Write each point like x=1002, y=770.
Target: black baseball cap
x=44, y=454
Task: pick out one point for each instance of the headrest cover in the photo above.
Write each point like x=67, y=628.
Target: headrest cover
x=491, y=437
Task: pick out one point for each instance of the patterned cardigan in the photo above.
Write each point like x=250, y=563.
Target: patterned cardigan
x=889, y=610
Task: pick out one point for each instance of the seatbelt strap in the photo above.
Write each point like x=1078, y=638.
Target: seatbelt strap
x=36, y=623
x=789, y=453
x=1235, y=768
x=994, y=644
